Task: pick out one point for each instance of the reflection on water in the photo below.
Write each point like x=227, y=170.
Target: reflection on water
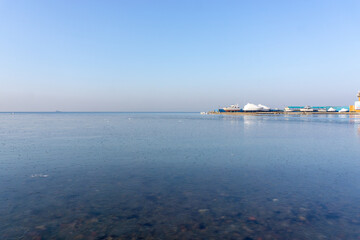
x=179, y=176
x=355, y=119
x=358, y=131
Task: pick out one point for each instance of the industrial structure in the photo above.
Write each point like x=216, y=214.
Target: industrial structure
x=356, y=107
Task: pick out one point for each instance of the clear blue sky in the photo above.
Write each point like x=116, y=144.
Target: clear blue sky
x=177, y=55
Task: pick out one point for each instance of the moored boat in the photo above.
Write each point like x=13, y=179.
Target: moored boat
x=306, y=109
x=232, y=108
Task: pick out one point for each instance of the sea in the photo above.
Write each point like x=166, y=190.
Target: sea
x=111, y=176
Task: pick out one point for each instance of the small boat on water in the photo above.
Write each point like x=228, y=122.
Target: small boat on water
x=331, y=109
x=232, y=108
x=306, y=109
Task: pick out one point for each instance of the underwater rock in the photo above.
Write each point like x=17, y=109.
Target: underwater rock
x=39, y=175
x=203, y=210
x=202, y=226
x=40, y=227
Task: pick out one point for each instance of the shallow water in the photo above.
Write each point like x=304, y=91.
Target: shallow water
x=179, y=176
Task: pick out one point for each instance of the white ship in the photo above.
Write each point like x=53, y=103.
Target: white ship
x=306, y=109
x=232, y=108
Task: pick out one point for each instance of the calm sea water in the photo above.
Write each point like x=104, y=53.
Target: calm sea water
x=179, y=176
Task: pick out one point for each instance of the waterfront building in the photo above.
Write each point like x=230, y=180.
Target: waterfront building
x=356, y=106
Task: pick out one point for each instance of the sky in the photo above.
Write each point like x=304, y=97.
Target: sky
x=177, y=55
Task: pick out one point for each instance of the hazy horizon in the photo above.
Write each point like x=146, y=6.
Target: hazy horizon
x=177, y=56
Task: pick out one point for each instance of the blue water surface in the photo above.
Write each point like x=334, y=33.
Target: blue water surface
x=179, y=176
